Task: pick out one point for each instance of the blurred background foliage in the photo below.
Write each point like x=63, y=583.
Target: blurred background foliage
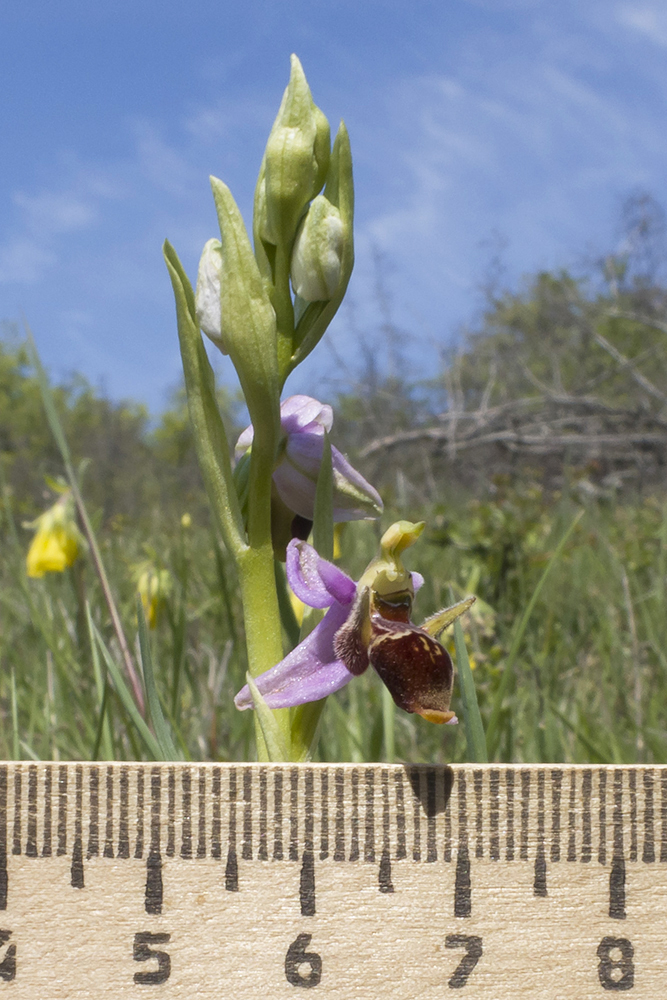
x=554, y=405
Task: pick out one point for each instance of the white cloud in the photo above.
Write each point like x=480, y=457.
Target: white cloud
x=23, y=260
x=55, y=212
x=648, y=19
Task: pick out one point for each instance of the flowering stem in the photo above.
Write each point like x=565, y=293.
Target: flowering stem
x=256, y=570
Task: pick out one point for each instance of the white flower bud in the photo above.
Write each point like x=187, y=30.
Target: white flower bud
x=207, y=296
x=318, y=251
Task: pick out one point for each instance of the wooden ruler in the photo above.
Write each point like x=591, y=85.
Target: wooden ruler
x=356, y=881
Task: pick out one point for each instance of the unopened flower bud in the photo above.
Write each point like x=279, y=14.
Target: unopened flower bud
x=296, y=159
x=207, y=296
x=318, y=252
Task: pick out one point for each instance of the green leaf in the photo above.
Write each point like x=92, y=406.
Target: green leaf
x=273, y=737
x=162, y=733
x=208, y=429
x=472, y=719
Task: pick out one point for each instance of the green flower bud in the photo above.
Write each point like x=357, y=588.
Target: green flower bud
x=207, y=296
x=318, y=252
x=296, y=159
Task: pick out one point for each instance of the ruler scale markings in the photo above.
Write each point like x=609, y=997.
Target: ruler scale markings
x=617, y=874
x=540, y=880
x=602, y=826
x=232, y=867
x=384, y=874
x=246, y=848
x=648, y=854
x=586, y=792
x=278, y=815
x=124, y=820
x=556, y=786
x=494, y=819
x=139, y=840
x=369, y=826
x=663, y=816
x=16, y=838
x=431, y=805
x=509, y=812
x=572, y=819
x=324, y=814
x=108, y=830
x=415, y=782
x=354, y=818
x=186, y=824
x=478, y=784
x=632, y=782
x=62, y=811
x=3, y=838
x=171, y=812
x=307, y=877
x=525, y=814
x=201, y=815
x=216, y=828
x=294, y=815
x=154, y=887
x=447, y=791
x=94, y=812
x=31, y=837
x=46, y=833
x=77, y=849
x=262, y=849
x=339, y=847
x=401, y=844
x=462, y=886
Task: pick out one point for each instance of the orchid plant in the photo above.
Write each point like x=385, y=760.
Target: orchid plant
x=267, y=305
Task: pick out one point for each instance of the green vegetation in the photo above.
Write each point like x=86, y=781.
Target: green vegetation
x=539, y=470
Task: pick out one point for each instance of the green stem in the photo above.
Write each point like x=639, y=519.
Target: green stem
x=259, y=595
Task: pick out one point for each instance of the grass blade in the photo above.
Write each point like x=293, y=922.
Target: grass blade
x=128, y=701
x=472, y=719
x=162, y=732
x=492, y=731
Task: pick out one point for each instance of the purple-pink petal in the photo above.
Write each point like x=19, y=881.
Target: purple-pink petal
x=315, y=581
x=298, y=413
x=308, y=673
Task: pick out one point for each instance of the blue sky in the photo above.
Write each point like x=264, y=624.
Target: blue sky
x=472, y=121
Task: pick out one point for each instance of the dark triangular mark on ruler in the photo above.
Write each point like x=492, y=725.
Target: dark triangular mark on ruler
x=153, y=903
x=307, y=885
x=232, y=871
x=386, y=885
x=617, y=874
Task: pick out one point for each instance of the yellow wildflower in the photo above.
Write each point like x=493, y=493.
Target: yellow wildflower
x=57, y=540
x=153, y=586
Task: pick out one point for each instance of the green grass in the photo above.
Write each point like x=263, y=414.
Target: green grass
x=570, y=656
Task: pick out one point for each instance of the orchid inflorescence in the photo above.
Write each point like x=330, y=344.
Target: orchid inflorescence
x=267, y=305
